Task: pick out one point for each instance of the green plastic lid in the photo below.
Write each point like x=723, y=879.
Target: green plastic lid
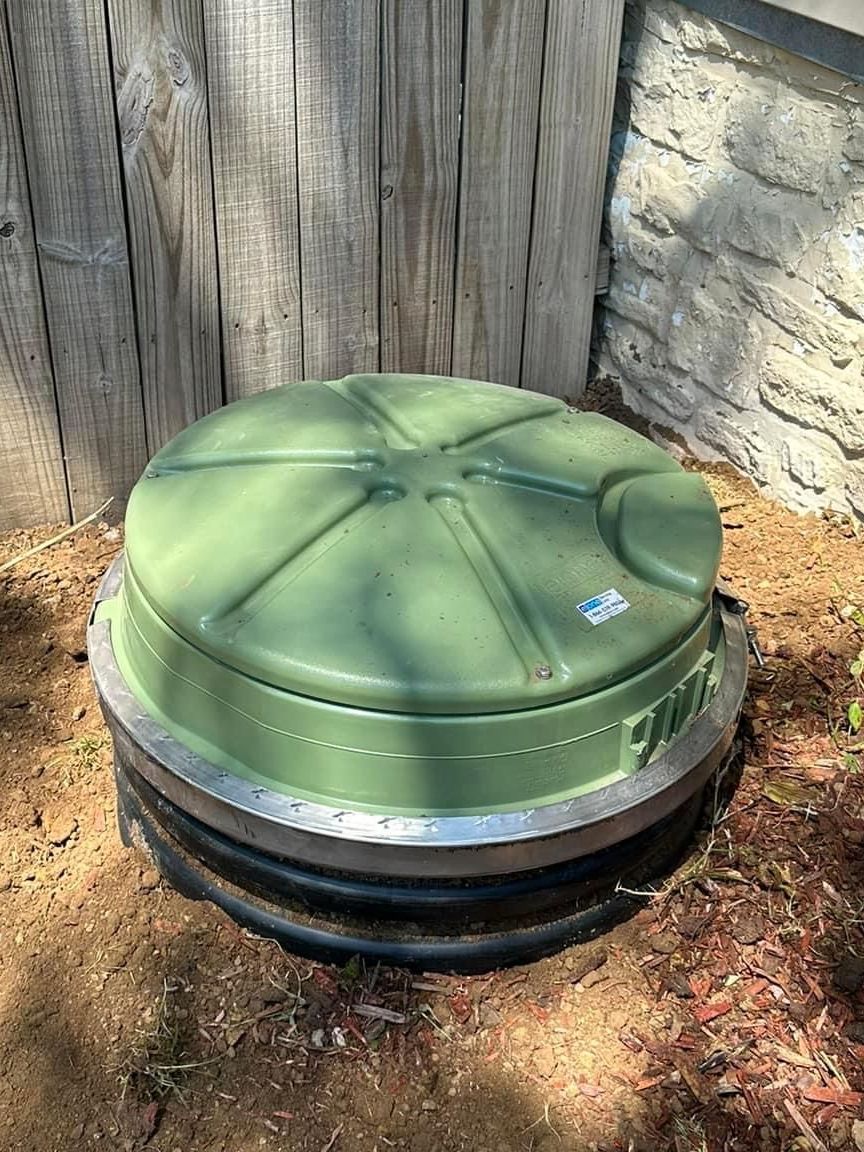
x=418, y=593
x=421, y=544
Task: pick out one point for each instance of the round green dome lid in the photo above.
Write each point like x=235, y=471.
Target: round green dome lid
x=417, y=544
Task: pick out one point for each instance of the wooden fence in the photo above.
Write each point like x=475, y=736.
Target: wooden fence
x=204, y=198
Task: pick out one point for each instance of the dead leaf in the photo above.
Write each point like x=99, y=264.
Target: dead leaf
x=789, y=794
x=325, y=981
x=149, y=1119
x=460, y=1006
x=649, y=1082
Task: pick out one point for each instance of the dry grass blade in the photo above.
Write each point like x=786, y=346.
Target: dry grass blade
x=37, y=548
x=158, y=1064
x=334, y=1136
x=373, y=1012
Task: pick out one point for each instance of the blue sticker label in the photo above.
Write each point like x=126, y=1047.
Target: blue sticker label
x=603, y=607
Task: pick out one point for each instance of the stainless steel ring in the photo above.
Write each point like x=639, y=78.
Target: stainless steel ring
x=416, y=847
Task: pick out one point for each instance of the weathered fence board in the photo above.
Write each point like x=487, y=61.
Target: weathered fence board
x=250, y=76
x=503, y=54
x=32, y=481
x=226, y=196
x=422, y=49
x=70, y=142
x=337, y=68
x=582, y=40
x=161, y=78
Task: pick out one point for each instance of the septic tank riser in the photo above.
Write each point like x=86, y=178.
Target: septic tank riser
x=428, y=669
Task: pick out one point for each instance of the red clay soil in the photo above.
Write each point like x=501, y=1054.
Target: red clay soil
x=727, y=1015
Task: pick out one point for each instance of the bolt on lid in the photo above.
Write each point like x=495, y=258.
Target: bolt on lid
x=422, y=544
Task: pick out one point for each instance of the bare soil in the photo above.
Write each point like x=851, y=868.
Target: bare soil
x=726, y=1015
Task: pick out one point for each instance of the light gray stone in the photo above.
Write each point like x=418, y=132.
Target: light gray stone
x=853, y=148
x=792, y=306
x=716, y=342
x=771, y=223
x=726, y=432
x=854, y=490
x=816, y=399
x=642, y=298
x=678, y=106
x=784, y=140
x=839, y=272
x=664, y=257
x=639, y=359
x=813, y=462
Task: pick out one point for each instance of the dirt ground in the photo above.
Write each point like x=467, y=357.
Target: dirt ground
x=726, y=1015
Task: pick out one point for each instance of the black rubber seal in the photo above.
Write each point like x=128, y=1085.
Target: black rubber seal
x=478, y=925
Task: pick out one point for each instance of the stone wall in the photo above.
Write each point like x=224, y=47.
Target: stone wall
x=735, y=214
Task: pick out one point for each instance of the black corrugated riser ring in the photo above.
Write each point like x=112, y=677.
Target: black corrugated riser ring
x=469, y=927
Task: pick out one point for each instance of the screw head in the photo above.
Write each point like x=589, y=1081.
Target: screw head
x=543, y=672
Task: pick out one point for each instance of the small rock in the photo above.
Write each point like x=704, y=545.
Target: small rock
x=429, y=1106
x=112, y=924
x=149, y=880
x=592, y=978
x=678, y=985
x=749, y=929
x=771, y=965
x=59, y=829
x=269, y=995
x=858, y=1134
x=490, y=1017
x=690, y=926
x=582, y=965
x=665, y=943
x=5, y=883
x=798, y=1011
x=849, y=974
x=79, y=713
x=545, y=1062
